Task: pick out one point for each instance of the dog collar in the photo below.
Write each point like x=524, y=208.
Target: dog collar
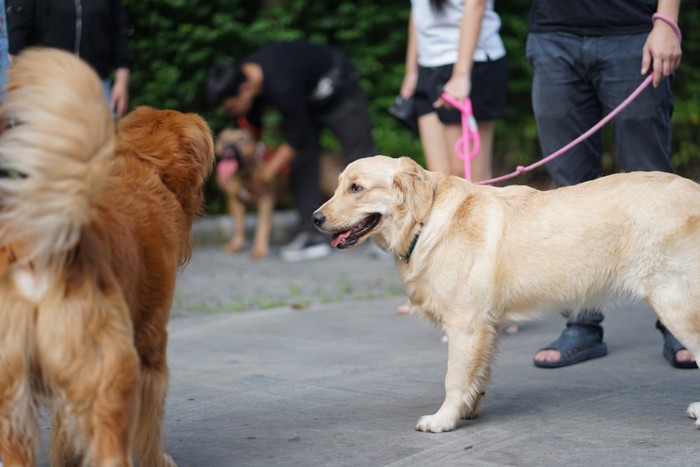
x=406, y=256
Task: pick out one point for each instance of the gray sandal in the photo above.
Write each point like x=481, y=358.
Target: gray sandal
x=576, y=344
x=671, y=348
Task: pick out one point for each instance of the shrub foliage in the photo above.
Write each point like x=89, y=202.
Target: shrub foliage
x=175, y=41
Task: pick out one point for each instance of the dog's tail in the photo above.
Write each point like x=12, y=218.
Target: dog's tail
x=55, y=152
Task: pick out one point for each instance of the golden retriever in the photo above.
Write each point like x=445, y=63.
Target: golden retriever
x=94, y=226
x=473, y=256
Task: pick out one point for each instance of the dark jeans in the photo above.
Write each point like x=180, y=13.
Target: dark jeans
x=580, y=79
x=349, y=121
x=577, y=81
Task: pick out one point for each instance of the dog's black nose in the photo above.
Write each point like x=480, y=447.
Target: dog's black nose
x=319, y=218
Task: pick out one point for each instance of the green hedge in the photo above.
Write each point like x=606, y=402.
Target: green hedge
x=175, y=41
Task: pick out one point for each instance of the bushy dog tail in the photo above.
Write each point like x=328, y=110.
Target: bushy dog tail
x=55, y=151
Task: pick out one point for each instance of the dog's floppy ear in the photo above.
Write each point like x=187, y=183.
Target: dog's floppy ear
x=413, y=189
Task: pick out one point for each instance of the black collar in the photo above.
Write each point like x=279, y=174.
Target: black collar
x=406, y=256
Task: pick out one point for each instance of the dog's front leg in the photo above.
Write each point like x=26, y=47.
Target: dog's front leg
x=266, y=205
x=237, y=210
x=694, y=413
x=470, y=350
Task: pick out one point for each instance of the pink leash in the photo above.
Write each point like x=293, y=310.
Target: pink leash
x=470, y=133
x=521, y=170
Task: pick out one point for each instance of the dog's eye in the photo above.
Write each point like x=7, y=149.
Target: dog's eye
x=355, y=188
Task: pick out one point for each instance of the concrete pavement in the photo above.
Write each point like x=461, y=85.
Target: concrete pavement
x=343, y=385
x=276, y=364
x=302, y=365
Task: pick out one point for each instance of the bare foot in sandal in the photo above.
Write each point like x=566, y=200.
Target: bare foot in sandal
x=576, y=344
x=404, y=309
x=675, y=352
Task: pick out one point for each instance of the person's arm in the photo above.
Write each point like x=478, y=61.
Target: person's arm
x=408, y=86
x=272, y=167
x=120, y=92
x=662, y=49
x=296, y=125
x=459, y=84
x=123, y=59
x=281, y=158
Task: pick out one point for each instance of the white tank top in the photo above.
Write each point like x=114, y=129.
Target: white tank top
x=438, y=33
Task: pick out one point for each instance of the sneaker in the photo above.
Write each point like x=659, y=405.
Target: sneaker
x=304, y=247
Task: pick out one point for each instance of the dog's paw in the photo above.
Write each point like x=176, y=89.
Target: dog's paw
x=437, y=423
x=694, y=412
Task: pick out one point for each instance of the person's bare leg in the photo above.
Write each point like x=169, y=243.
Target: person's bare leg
x=435, y=143
x=452, y=135
x=482, y=166
x=437, y=152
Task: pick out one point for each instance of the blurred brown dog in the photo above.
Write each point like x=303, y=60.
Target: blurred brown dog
x=94, y=226
x=241, y=158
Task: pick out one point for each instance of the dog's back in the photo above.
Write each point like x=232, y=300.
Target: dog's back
x=614, y=237
x=176, y=148
x=619, y=234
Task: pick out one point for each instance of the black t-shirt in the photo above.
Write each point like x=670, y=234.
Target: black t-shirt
x=291, y=71
x=592, y=17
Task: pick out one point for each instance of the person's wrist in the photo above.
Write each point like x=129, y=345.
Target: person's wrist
x=409, y=78
x=670, y=22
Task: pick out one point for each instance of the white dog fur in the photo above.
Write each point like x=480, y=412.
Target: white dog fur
x=482, y=255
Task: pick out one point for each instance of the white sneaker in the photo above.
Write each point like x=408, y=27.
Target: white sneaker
x=304, y=247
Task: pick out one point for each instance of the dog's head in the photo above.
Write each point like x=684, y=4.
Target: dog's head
x=177, y=145
x=237, y=143
x=236, y=149
x=380, y=197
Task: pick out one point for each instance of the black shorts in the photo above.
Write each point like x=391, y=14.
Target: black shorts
x=488, y=93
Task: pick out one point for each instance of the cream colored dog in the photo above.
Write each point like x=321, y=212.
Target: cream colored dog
x=473, y=256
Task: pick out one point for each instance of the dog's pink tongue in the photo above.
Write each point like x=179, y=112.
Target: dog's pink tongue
x=225, y=170
x=337, y=238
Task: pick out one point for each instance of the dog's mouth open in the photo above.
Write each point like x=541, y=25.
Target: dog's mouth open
x=346, y=238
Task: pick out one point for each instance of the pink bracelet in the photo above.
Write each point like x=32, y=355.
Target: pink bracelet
x=670, y=22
